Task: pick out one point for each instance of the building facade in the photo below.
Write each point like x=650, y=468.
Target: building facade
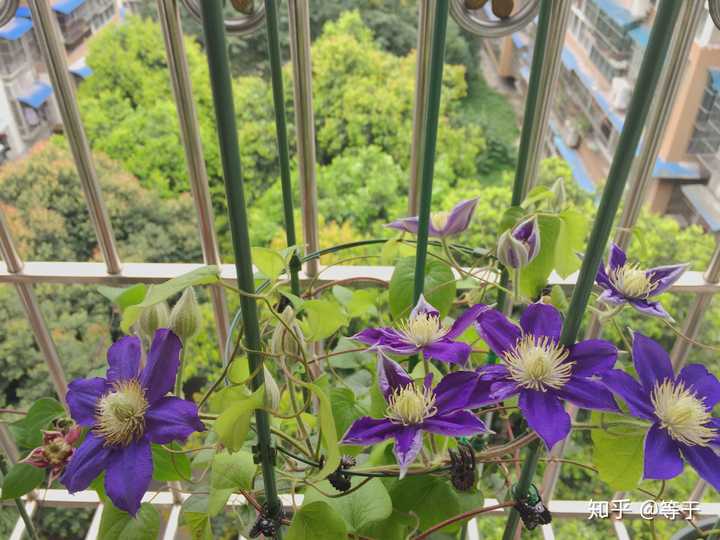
x=603, y=50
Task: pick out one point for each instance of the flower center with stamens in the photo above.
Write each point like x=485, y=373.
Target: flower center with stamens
x=538, y=363
x=121, y=414
x=439, y=219
x=410, y=405
x=423, y=328
x=682, y=414
x=632, y=281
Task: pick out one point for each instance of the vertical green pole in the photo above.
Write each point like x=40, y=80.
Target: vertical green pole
x=437, y=59
x=617, y=178
x=216, y=48
x=531, y=102
x=271, y=19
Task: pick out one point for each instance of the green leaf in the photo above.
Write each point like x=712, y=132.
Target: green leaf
x=357, y=303
x=232, y=471
x=353, y=359
x=217, y=499
x=196, y=518
x=360, y=508
x=510, y=218
x=118, y=525
x=27, y=431
x=124, y=296
x=570, y=240
x=317, y=521
x=535, y=275
x=345, y=412
x=21, y=479
x=393, y=528
x=558, y=298
x=618, y=453
x=324, y=318
x=536, y=195
x=169, y=466
x=439, y=288
x=329, y=434
x=233, y=424
x=433, y=499
x=269, y=262
x=159, y=293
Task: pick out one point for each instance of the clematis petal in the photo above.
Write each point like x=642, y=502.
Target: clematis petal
x=499, y=332
x=542, y=320
x=648, y=307
x=665, y=276
x=704, y=383
x=158, y=377
x=592, y=357
x=466, y=319
x=87, y=462
x=501, y=391
x=124, y=359
x=388, y=339
x=454, y=424
x=460, y=217
x=372, y=336
x=617, y=257
x=715, y=424
x=631, y=391
x=423, y=306
x=651, y=361
x=612, y=296
x=390, y=375
x=172, y=419
x=662, y=456
x=128, y=475
x=82, y=398
x=601, y=278
x=453, y=352
x=367, y=430
x=408, y=443
x=459, y=390
x=588, y=394
x=706, y=462
x=545, y=413
x=408, y=224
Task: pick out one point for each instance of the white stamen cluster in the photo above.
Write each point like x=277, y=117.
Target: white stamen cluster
x=682, y=413
x=538, y=363
x=422, y=329
x=121, y=413
x=410, y=405
x=439, y=219
x=632, y=281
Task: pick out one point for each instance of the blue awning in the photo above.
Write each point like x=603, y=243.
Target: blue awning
x=38, y=95
x=67, y=6
x=715, y=78
x=80, y=69
x=23, y=11
x=616, y=12
x=641, y=35
x=675, y=169
x=15, y=29
x=705, y=204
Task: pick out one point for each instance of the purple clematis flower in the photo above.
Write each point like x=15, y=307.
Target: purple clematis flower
x=127, y=411
x=679, y=408
x=626, y=283
x=442, y=224
x=412, y=409
x=424, y=332
x=541, y=370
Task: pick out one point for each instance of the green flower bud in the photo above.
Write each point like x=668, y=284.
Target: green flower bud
x=185, y=317
x=282, y=342
x=272, y=391
x=558, y=189
x=152, y=318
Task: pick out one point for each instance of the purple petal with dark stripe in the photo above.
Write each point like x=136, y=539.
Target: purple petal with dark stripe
x=423, y=306
x=124, y=359
x=408, y=224
x=172, y=419
x=82, y=398
x=455, y=424
x=458, y=389
x=408, y=443
x=706, y=462
x=391, y=375
x=651, y=361
x=86, y=463
x=158, y=377
x=128, y=475
x=592, y=357
x=497, y=331
x=466, y=319
x=634, y=395
x=665, y=276
x=367, y=430
x=541, y=320
x=617, y=257
x=453, y=352
x=460, y=217
x=702, y=382
x=588, y=394
x=648, y=307
x=602, y=278
x=545, y=413
x=612, y=296
x=662, y=457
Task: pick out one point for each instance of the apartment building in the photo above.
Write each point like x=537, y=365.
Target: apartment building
x=28, y=112
x=604, y=47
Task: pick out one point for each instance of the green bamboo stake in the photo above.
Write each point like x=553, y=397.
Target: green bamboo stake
x=437, y=61
x=617, y=178
x=271, y=20
x=216, y=49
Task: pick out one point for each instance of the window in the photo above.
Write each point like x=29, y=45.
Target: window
x=12, y=56
x=706, y=134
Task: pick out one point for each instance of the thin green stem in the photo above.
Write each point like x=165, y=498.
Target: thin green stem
x=179, y=376
x=29, y=527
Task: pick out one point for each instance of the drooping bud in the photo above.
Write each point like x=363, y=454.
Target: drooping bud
x=558, y=189
x=282, y=341
x=152, y=318
x=272, y=391
x=185, y=318
x=519, y=246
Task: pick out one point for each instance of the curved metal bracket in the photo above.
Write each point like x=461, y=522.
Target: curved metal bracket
x=243, y=25
x=714, y=8
x=7, y=11
x=468, y=20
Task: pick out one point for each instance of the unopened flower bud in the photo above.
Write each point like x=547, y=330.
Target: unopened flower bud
x=152, y=318
x=56, y=450
x=185, y=317
x=519, y=246
x=558, y=189
x=272, y=391
x=282, y=341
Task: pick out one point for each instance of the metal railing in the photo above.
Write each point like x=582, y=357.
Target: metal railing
x=670, y=40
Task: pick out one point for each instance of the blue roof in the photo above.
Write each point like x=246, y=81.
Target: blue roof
x=641, y=35
x=81, y=71
x=576, y=165
x=674, y=169
x=23, y=11
x=67, y=6
x=616, y=12
x=38, y=95
x=705, y=204
x=715, y=78
x=15, y=29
